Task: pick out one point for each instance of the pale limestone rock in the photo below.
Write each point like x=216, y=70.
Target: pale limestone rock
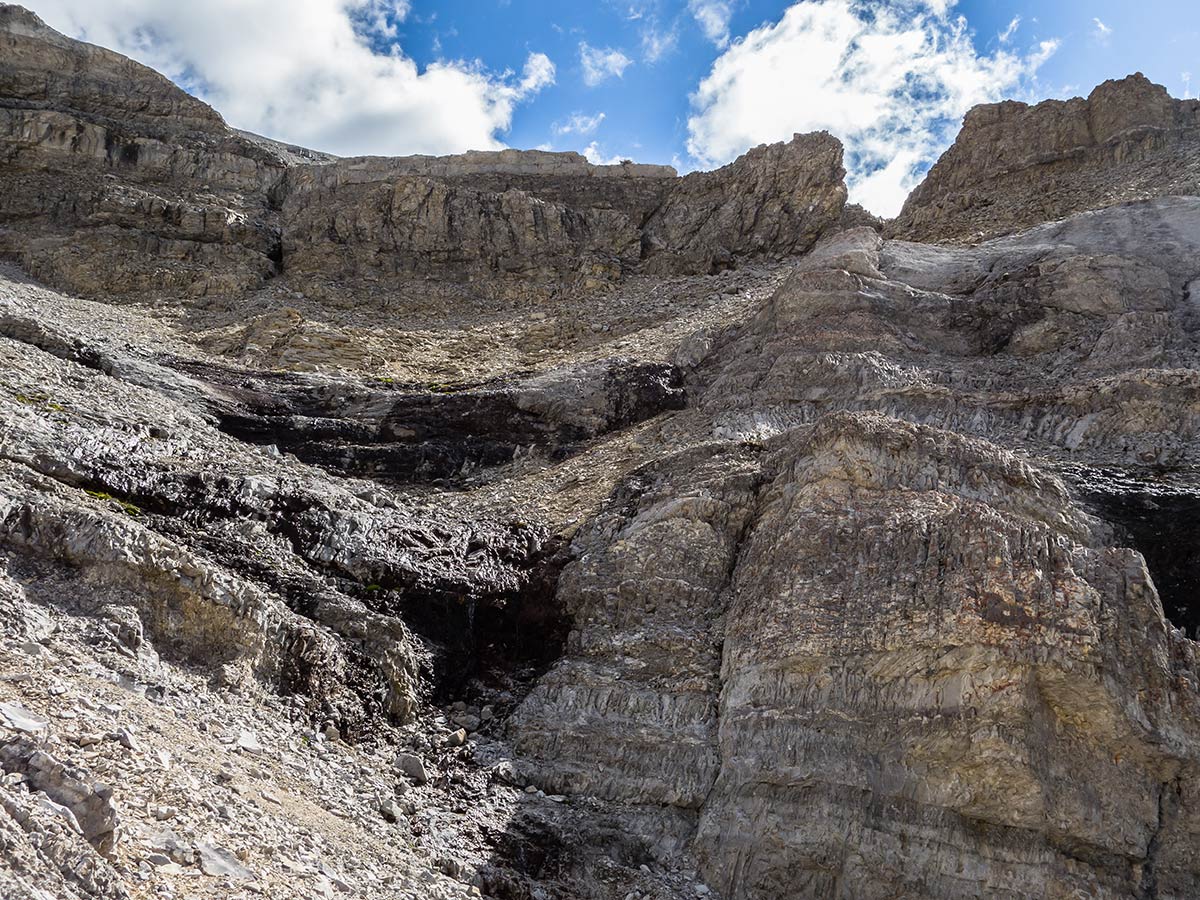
x=879, y=589
x=1014, y=166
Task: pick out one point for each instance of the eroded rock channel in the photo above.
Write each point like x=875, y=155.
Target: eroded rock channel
x=423, y=433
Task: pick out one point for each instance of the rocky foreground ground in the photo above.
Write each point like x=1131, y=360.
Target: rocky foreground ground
x=504, y=525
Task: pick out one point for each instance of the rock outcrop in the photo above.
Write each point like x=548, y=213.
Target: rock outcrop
x=874, y=647
x=775, y=201
x=819, y=615
x=115, y=181
x=123, y=185
x=529, y=226
x=1015, y=165
x=504, y=524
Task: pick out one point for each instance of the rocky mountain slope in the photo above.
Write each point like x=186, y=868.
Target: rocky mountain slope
x=505, y=525
x=1014, y=166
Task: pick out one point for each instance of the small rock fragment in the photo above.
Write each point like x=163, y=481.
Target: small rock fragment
x=17, y=717
x=126, y=739
x=412, y=766
x=389, y=810
x=247, y=742
x=217, y=862
x=468, y=721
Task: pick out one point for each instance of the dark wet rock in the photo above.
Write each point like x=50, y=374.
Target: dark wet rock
x=404, y=433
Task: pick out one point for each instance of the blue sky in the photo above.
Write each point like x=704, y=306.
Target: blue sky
x=647, y=108
x=687, y=82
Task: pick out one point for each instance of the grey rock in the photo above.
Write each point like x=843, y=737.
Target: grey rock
x=125, y=738
x=413, y=766
x=61, y=135
x=390, y=811
x=468, y=722
x=221, y=863
x=1014, y=166
x=16, y=717
x=90, y=804
x=247, y=742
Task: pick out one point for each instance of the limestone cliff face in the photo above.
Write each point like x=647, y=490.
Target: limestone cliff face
x=527, y=225
x=874, y=645
x=121, y=182
x=925, y=664
x=504, y=524
x=373, y=227
x=45, y=69
x=773, y=202
x=107, y=160
x=1015, y=165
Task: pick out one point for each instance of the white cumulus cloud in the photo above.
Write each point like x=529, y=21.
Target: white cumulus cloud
x=601, y=63
x=713, y=18
x=1101, y=32
x=323, y=73
x=597, y=157
x=892, y=80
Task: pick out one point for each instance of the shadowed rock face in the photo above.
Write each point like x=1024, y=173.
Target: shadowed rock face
x=1158, y=514
x=391, y=434
x=115, y=181
x=1014, y=165
x=833, y=566
x=370, y=224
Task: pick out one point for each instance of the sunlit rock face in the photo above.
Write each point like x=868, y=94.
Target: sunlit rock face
x=929, y=646
x=1015, y=165
x=527, y=227
x=504, y=524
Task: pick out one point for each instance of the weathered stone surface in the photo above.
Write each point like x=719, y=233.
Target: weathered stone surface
x=533, y=226
x=43, y=857
x=783, y=560
x=116, y=181
x=647, y=584
x=376, y=233
x=144, y=189
x=775, y=201
x=169, y=492
x=1014, y=166
x=91, y=806
x=903, y=596
x=492, y=162
x=1015, y=340
x=44, y=69
x=926, y=645
x=401, y=435
x=926, y=669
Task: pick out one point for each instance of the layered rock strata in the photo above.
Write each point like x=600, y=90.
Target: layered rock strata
x=123, y=184
x=893, y=648
x=519, y=233
x=874, y=647
x=832, y=564
x=117, y=182
x=1014, y=165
